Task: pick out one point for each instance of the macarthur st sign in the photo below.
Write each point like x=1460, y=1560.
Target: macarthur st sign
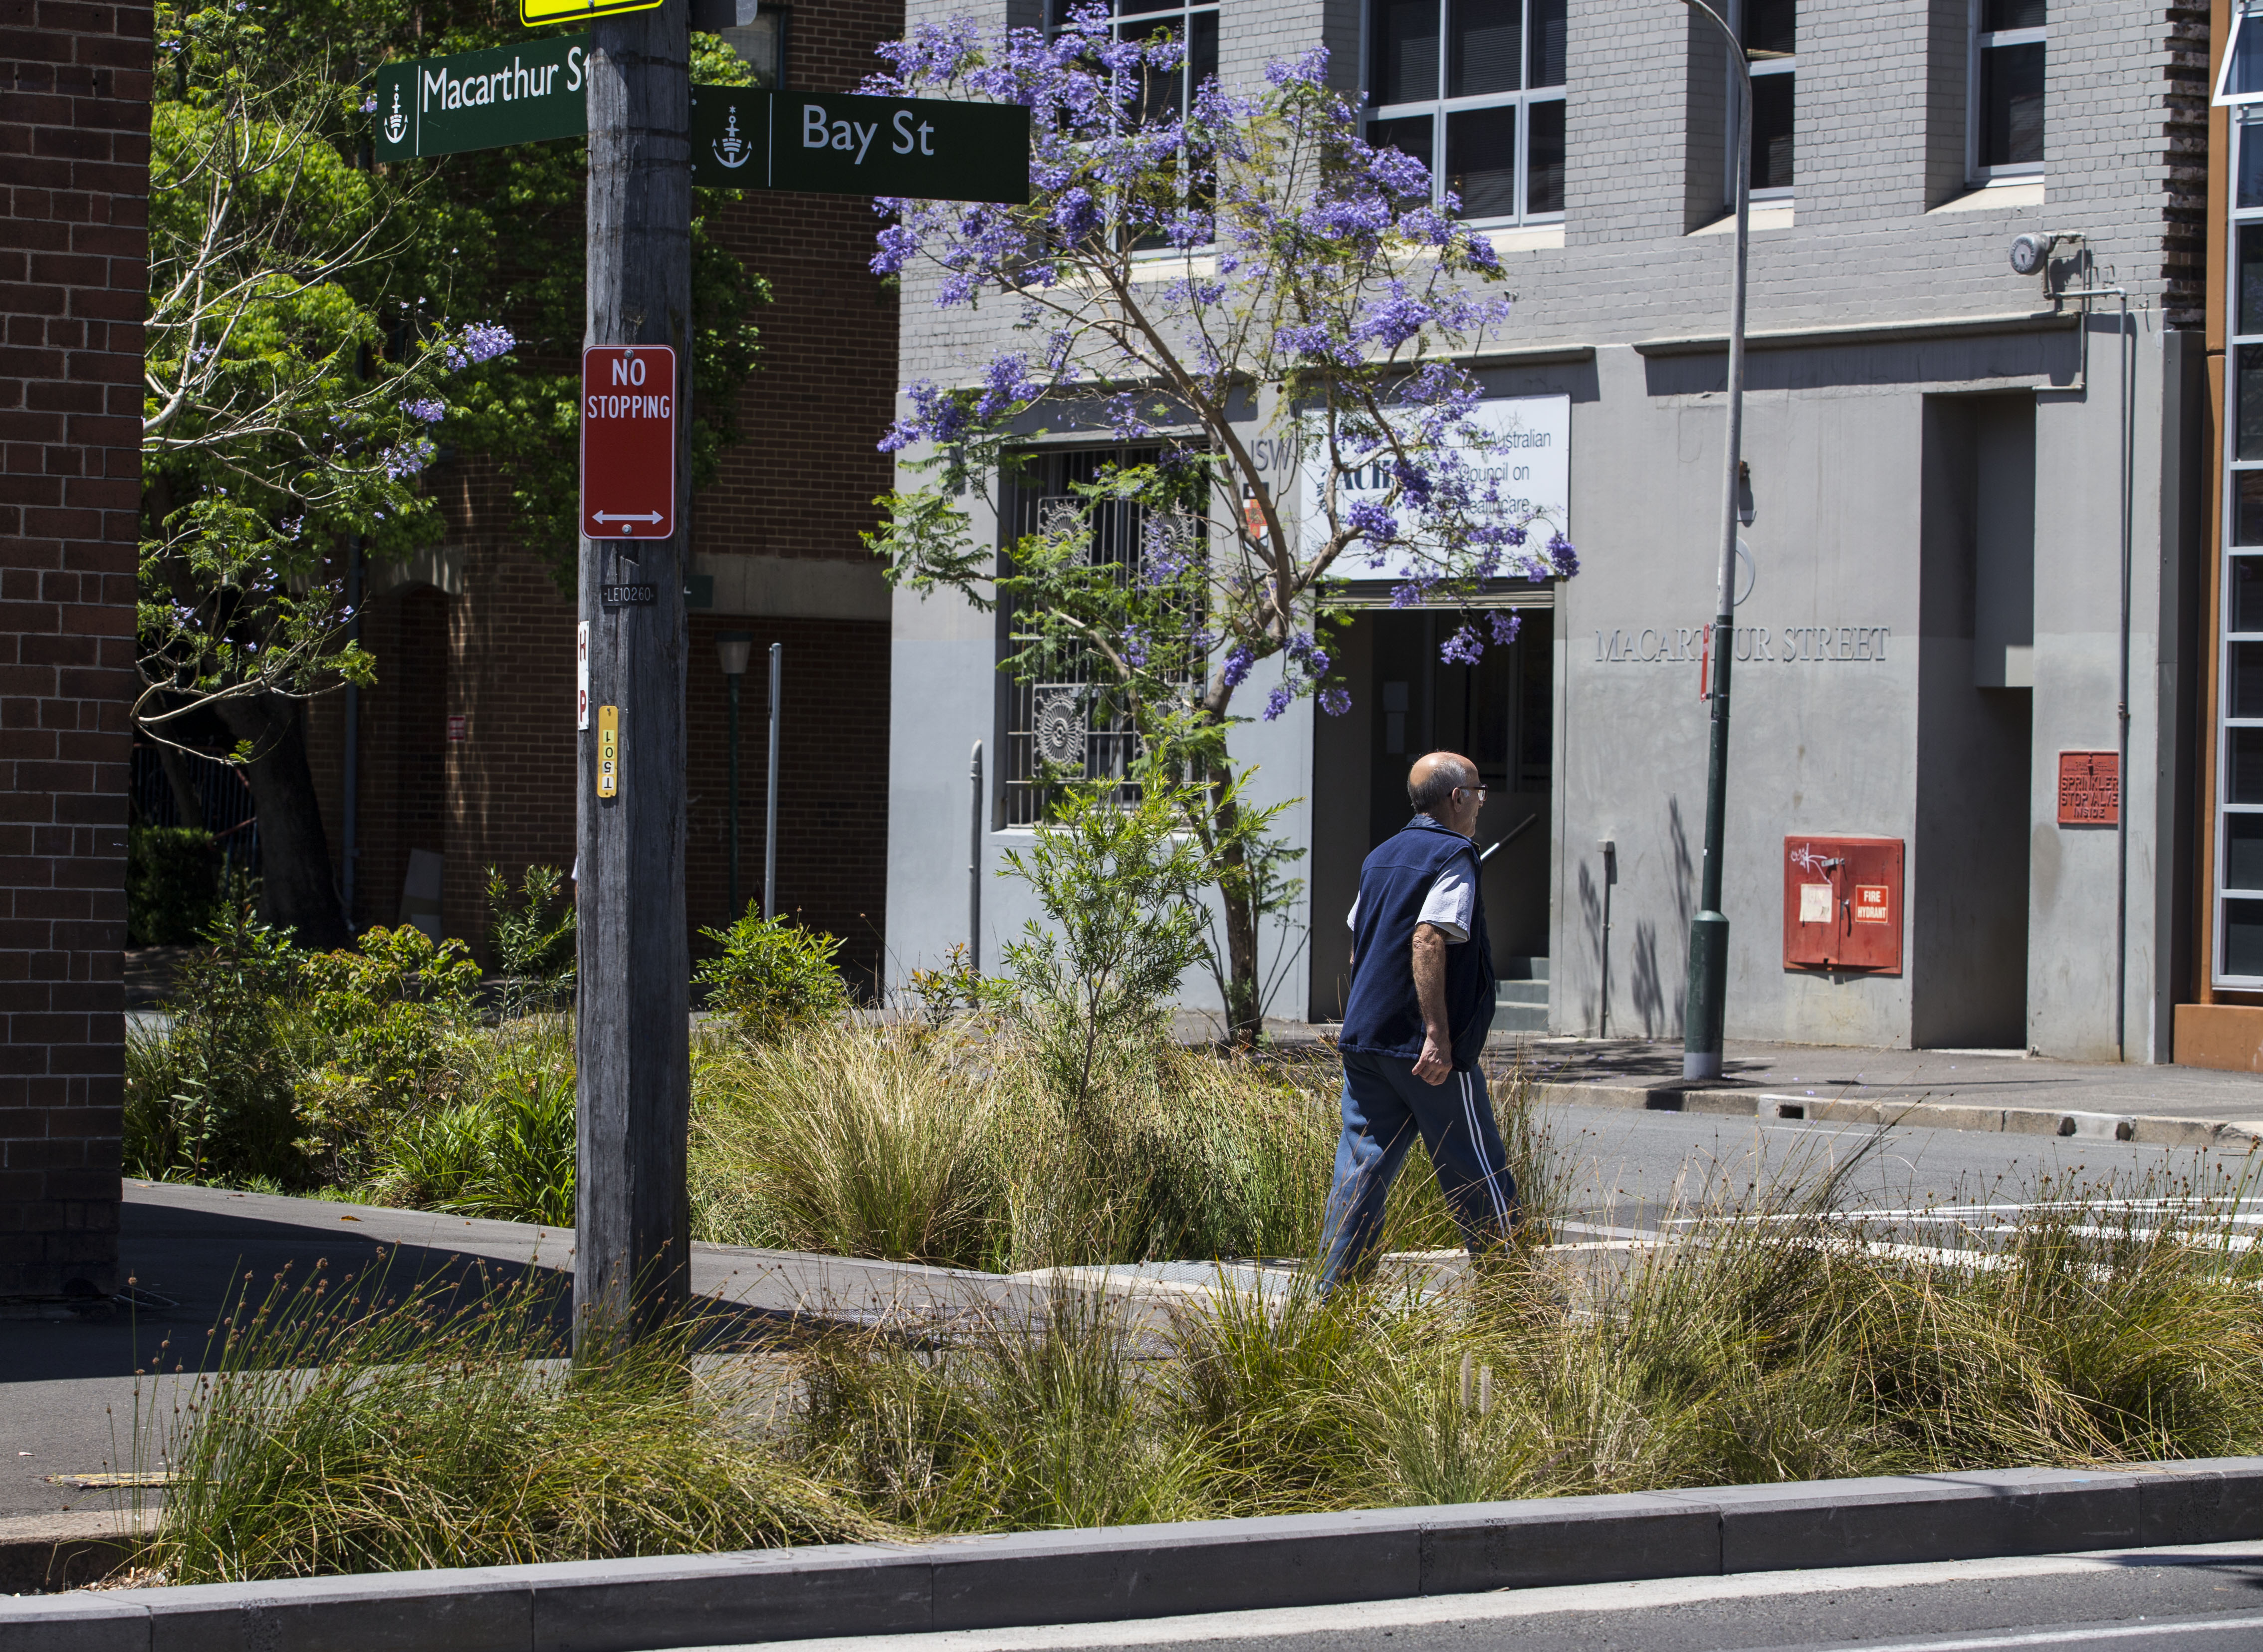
x=483, y=100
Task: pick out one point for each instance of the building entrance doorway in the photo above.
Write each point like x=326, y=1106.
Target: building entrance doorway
x=1406, y=701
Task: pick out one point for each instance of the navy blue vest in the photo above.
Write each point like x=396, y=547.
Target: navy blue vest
x=1384, y=1017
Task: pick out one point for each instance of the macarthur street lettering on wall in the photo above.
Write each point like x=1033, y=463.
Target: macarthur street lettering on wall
x=1793, y=645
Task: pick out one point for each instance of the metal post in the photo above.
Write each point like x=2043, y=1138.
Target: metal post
x=974, y=868
x=1705, y=1011
x=769, y=791
x=733, y=684
x=350, y=803
x=632, y=1260
x=1611, y=852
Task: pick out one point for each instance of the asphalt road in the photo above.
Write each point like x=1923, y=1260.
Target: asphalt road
x=1630, y=1168
x=2208, y=1600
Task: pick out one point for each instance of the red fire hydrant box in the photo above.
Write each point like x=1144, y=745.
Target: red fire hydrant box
x=1842, y=904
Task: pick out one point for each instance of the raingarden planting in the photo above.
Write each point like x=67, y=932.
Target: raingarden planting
x=1047, y=1118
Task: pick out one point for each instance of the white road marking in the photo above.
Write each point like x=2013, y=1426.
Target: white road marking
x=1530, y=1602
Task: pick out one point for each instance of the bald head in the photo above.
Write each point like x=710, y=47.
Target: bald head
x=1431, y=782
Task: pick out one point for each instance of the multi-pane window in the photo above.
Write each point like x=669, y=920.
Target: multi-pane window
x=1193, y=21
x=1769, y=30
x=2238, y=959
x=1474, y=89
x=2006, y=132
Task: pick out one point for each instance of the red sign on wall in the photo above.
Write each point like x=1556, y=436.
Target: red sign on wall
x=1842, y=904
x=628, y=442
x=2089, y=788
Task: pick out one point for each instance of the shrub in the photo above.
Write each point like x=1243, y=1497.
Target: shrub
x=1119, y=886
x=172, y=885
x=396, y=1008
x=772, y=976
x=532, y=939
x=214, y=1098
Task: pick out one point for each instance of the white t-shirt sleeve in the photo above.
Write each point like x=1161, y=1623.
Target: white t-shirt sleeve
x=1446, y=908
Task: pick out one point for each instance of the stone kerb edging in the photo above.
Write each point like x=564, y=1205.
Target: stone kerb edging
x=1045, y=1577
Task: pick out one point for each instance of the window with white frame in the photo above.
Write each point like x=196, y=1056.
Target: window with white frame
x=1769, y=30
x=2238, y=870
x=2005, y=133
x=1474, y=89
x=1193, y=21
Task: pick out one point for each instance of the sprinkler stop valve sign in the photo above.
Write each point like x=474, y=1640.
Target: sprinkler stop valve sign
x=628, y=442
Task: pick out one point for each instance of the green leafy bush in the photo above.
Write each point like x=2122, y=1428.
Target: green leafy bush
x=532, y=938
x=1119, y=885
x=172, y=885
x=396, y=1008
x=214, y=1098
x=772, y=976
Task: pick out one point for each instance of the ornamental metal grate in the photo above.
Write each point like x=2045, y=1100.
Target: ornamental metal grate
x=1064, y=722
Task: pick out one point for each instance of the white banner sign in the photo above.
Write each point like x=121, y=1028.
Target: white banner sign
x=1531, y=451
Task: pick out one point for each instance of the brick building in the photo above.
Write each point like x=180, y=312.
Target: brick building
x=74, y=188
x=465, y=747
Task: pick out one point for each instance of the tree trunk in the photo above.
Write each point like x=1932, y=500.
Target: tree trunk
x=296, y=889
x=1244, y=1015
x=631, y=1255
x=186, y=803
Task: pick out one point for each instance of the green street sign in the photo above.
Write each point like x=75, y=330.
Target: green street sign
x=483, y=100
x=923, y=148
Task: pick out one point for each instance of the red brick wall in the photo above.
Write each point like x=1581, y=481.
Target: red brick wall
x=74, y=186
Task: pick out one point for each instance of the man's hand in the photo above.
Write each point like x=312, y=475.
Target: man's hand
x=1435, y=1064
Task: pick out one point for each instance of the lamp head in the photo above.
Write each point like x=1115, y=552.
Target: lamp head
x=732, y=648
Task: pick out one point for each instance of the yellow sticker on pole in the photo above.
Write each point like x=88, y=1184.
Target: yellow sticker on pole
x=540, y=13
x=609, y=750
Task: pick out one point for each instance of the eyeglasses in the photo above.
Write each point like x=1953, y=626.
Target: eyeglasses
x=1480, y=791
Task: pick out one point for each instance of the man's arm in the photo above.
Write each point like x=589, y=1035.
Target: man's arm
x=1435, y=1064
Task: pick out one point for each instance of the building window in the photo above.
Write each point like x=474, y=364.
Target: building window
x=1474, y=89
x=1769, y=30
x=1193, y=21
x=2005, y=138
x=1062, y=719
x=2239, y=868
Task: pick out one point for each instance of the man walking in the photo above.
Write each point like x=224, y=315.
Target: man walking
x=1421, y=1003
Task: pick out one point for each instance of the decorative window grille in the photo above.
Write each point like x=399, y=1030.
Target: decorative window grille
x=1067, y=721
x=2239, y=868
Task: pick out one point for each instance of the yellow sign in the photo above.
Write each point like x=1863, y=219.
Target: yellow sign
x=538, y=13
x=609, y=750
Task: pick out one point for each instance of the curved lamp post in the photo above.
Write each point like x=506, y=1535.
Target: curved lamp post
x=1704, y=1011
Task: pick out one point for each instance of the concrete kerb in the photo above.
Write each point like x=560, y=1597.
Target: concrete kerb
x=1129, y=1572
x=2156, y=1130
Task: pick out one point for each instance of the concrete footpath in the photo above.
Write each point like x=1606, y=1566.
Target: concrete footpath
x=1944, y=1089
x=1130, y=1572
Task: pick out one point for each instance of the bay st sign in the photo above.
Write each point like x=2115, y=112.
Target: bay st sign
x=922, y=148
x=743, y=137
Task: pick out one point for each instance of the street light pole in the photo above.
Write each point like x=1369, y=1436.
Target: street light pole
x=1705, y=1009
x=770, y=788
x=732, y=649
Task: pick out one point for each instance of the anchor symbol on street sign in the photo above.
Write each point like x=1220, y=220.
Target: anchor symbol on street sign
x=396, y=124
x=731, y=149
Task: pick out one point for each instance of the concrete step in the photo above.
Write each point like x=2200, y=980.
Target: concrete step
x=1522, y=992
x=1521, y=968
x=1519, y=1018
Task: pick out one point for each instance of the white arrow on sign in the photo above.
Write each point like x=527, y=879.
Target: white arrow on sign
x=606, y=516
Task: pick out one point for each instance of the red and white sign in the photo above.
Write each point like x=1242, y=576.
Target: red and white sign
x=582, y=676
x=459, y=728
x=628, y=442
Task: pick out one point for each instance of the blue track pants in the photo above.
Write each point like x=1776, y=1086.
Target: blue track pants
x=1384, y=1106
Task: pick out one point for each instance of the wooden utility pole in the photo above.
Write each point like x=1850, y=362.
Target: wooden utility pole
x=631, y=1256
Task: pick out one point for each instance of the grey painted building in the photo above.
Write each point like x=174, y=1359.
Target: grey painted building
x=1942, y=459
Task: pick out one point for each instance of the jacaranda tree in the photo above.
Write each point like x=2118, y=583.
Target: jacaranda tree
x=1219, y=278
